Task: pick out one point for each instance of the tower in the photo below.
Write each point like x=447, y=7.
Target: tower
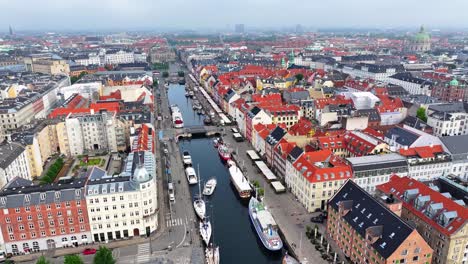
x=10, y=30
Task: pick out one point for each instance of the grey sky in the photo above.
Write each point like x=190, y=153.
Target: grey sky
x=153, y=14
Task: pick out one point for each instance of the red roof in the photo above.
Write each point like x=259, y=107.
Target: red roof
x=285, y=147
x=273, y=98
x=145, y=140
x=331, y=142
x=337, y=100
x=389, y=104
x=398, y=185
x=360, y=144
x=422, y=152
x=322, y=166
x=301, y=128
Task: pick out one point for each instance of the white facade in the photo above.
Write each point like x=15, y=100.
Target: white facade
x=140, y=57
x=126, y=206
x=84, y=89
x=412, y=87
x=428, y=171
x=119, y=57
x=452, y=124
x=92, y=59
x=13, y=163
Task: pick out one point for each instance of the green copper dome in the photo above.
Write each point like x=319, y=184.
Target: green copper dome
x=422, y=36
x=453, y=82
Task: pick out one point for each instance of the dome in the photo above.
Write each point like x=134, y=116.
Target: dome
x=422, y=36
x=453, y=82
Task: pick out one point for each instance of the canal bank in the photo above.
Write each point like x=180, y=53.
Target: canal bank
x=232, y=229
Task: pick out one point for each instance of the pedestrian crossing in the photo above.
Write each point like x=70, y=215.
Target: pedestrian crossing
x=174, y=222
x=143, y=255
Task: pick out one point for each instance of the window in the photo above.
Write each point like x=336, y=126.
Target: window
x=17, y=210
x=29, y=217
x=19, y=219
x=404, y=252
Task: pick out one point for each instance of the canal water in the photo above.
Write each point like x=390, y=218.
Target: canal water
x=232, y=229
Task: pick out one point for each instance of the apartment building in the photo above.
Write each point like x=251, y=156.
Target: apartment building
x=413, y=85
x=441, y=221
x=368, y=232
x=457, y=146
x=378, y=72
x=119, y=57
x=126, y=205
x=370, y=171
x=427, y=163
x=13, y=163
x=95, y=132
x=450, y=119
x=314, y=177
x=43, y=217
x=48, y=65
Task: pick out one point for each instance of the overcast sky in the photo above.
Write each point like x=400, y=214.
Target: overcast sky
x=195, y=14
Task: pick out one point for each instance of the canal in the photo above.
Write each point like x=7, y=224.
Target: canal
x=232, y=230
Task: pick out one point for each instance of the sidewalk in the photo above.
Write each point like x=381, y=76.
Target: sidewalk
x=77, y=250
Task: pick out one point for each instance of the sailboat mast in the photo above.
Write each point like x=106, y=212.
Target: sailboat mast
x=199, y=180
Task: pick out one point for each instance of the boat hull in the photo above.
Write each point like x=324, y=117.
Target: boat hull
x=289, y=260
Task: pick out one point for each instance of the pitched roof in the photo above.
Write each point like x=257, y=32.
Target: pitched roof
x=403, y=136
x=322, y=166
x=447, y=218
x=456, y=144
x=366, y=212
x=302, y=127
x=422, y=152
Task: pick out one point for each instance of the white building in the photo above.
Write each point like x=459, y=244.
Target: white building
x=91, y=59
x=457, y=146
x=362, y=100
x=406, y=136
x=427, y=163
x=411, y=84
x=126, y=205
x=140, y=57
x=370, y=171
x=84, y=89
x=13, y=163
x=94, y=132
x=448, y=119
x=118, y=57
x=372, y=71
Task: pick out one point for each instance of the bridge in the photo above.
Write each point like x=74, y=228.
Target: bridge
x=190, y=131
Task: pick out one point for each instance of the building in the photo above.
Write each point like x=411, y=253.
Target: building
x=457, y=146
x=95, y=132
x=46, y=65
x=406, y=136
x=411, y=84
x=13, y=163
x=421, y=42
x=370, y=171
x=440, y=220
x=239, y=28
x=119, y=57
x=43, y=217
x=368, y=232
x=448, y=119
x=427, y=163
x=314, y=177
x=359, y=144
x=161, y=55
x=126, y=205
x=377, y=72
x=452, y=91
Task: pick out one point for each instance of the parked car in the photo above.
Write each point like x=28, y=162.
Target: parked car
x=89, y=251
x=317, y=219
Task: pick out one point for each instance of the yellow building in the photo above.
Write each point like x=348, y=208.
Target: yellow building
x=62, y=138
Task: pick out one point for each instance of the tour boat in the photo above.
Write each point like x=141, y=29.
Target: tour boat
x=205, y=231
x=187, y=158
x=177, y=117
x=241, y=184
x=212, y=255
x=287, y=259
x=265, y=225
x=191, y=175
x=209, y=187
x=224, y=152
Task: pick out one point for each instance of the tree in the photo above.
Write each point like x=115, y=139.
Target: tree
x=421, y=114
x=42, y=260
x=181, y=74
x=165, y=74
x=73, y=259
x=299, y=77
x=103, y=256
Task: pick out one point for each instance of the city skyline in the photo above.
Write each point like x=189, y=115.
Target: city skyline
x=209, y=14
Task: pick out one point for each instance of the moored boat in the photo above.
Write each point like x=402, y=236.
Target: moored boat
x=200, y=208
x=212, y=255
x=241, y=184
x=265, y=225
x=177, y=119
x=205, y=231
x=191, y=94
x=209, y=187
x=191, y=175
x=287, y=259
x=224, y=152
x=186, y=158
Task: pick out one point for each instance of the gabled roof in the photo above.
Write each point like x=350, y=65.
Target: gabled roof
x=301, y=128
x=364, y=212
x=448, y=220
x=422, y=152
x=322, y=166
x=276, y=135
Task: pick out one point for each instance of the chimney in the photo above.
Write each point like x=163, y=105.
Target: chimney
x=392, y=204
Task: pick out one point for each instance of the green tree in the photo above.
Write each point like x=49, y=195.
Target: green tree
x=181, y=74
x=261, y=192
x=299, y=77
x=73, y=259
x=421, y=114
x=165, y=74
x=42, y=260
x=103, y=256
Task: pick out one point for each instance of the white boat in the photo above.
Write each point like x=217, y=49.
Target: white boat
x=191, y=94
x=209, y=187
x=212, y=255
x=239, y=181
x=186, y=157
x=177, y=119
x=205, y=231
x=191, y=175
x=200, y=208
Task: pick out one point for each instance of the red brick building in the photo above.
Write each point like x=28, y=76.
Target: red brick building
x=41, y=217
